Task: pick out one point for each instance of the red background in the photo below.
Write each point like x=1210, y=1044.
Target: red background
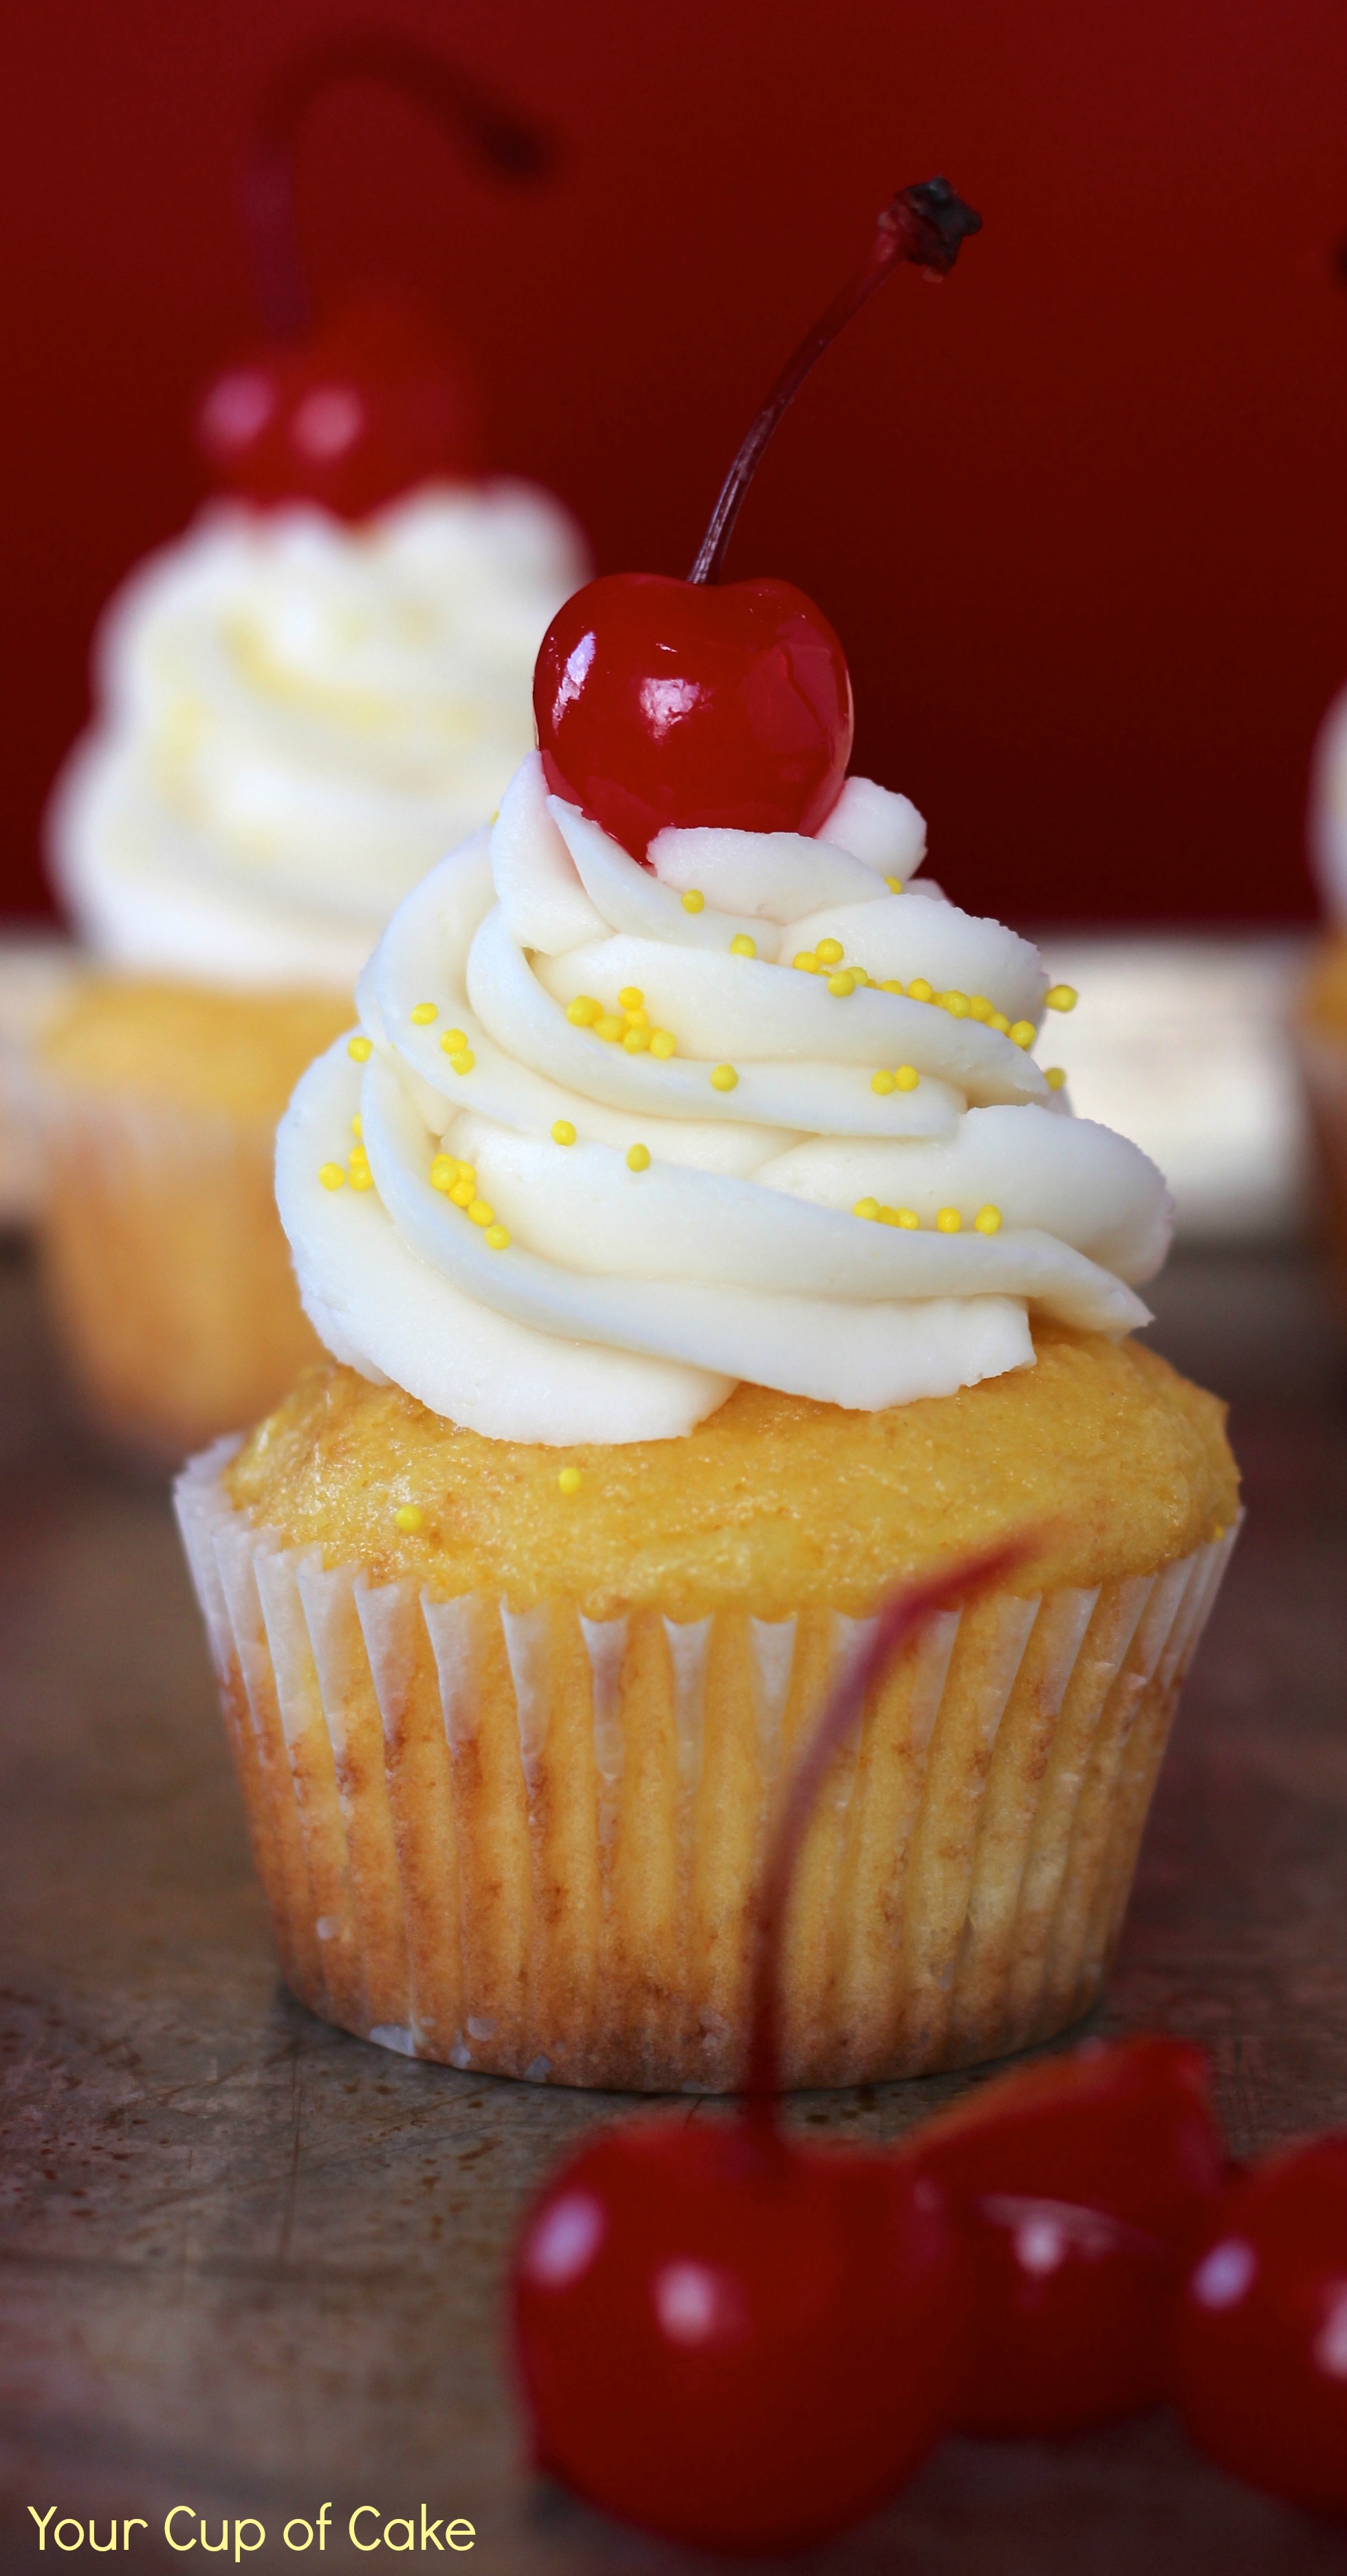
x=1079, y=514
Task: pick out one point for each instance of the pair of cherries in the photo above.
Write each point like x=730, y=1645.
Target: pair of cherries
x=747, y=2342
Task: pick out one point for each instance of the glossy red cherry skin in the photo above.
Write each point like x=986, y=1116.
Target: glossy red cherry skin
x=1260, y=2353
x=740, y=2344
x=1122, y=2126
x=662, y=701
x=378, y=401
x=1073, y=2314
x=1081, y=2182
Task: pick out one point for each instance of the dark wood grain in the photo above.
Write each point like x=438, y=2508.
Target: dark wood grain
x=249, y=2264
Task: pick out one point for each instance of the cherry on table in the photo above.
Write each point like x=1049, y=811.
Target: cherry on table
x=682, y=702
x=724, y=2334
x=1081, y=2183
x=1260, y=2353
x=733, y=2340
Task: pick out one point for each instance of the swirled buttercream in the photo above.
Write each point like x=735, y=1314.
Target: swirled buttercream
x=765, y=1110
x=297, y=719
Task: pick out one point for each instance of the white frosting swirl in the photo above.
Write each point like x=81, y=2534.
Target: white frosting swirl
x=298, y=718
x=628, y=1301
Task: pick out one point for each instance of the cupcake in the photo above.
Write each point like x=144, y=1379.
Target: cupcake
x=1321, y=1015
x=297, y=717
x=700, y=1251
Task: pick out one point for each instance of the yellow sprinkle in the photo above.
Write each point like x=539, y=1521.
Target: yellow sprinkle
x=357, y=1127
x=882, y=1082
x=1055, y=1076
x=609, y=1028
x=693, y=901
x=830, y=952
x=467, y=1171
x=998, y=1020
x=1022, y=1034
x=464, y=1061
x=1062, y=997
x=360, y=1049
x=662, y=1044
x=724, y=1078
x=583, y=1011
x=956, y=1004
x=631, y=997
x=443, y=1172
x=949, y=1221
x=454, y=1040
x=919, y=990
x=563, y=1133
x=841, y=985
x=866, y=1208
x=331, y=1175
x=888, y=1216
x=569, y=1480
x=892, y=986
x=742, y=946
x=638, y=1158
x=894, y=884
x=907, y=1077
x=806, y=961
x=988, y=1220
x=357, y=1153
x=859, y=975
x=635, y=1017
x=497, y=1237
x=636, y=1041
x=422, y=1012
x=409, y=1518
x=463, y=1193
x=979, y=1008
x=362, y=1178
x=481, y=1212
x=908, y=1219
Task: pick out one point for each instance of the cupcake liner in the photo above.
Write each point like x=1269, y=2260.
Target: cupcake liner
x=166, y=1264
x=529, y=1843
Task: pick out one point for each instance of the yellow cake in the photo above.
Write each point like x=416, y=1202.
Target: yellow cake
x=169, y=1273
x=509, y=1786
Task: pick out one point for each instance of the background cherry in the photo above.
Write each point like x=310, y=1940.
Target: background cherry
x=377, y=396
x=725, y=2335
x=1260, y=2361
x=659, y=701
x=1081, y=2183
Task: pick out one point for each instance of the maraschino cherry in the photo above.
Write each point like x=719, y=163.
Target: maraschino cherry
x=1082, y=2184
x=661, y=701
x=376, y=397
x=722, y=2334
x=1260, y=2360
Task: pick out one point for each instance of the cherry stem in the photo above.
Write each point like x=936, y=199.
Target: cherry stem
x=903, y=1619
x=924, y=224
x=503, y=142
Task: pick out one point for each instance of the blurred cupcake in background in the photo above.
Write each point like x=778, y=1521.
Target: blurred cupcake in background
x=301, y=704
x=1321, y=1020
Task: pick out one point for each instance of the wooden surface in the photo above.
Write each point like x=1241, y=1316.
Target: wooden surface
x=248, y=2264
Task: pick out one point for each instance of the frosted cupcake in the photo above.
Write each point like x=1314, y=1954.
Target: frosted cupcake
x=296, y=718
x=700, y=1251
x=1321, y=1019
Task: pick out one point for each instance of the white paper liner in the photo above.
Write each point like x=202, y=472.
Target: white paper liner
x=166, y=1266
x=529, y=1843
